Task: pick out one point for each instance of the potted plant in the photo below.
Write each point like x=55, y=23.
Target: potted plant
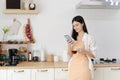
x=5, y=30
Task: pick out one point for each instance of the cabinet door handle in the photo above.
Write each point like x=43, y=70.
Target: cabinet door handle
x=64, y=69
x=115, y=68
x=20, y=71
x=42, y=70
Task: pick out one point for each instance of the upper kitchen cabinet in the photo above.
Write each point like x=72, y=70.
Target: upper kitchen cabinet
x=98, y=4
x=20, y=7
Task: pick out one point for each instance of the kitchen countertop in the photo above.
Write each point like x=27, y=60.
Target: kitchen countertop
x=35, y=65
x=107, y=65
x=29, y=65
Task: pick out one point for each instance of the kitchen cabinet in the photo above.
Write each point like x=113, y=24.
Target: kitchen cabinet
x=61, y=73
x=96, y=4
x=99, y=74
x=112, y=73
x=19, y=74
x=43, y=74
x=3, y=74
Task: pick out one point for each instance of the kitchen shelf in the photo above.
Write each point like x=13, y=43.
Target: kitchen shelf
x=6, y=52
x=11, y=44
x=19, y=11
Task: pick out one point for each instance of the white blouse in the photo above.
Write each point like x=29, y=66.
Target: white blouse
x=90, y=45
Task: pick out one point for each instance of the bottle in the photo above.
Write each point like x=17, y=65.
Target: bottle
x=65, y=56
x=42, y=56
x=29, y=56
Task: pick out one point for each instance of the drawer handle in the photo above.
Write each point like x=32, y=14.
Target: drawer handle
x=42, y=70
x=115, y=68
x=64, y=69
x=19, y=71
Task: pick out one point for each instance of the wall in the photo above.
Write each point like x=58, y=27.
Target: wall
x=104, y=25
x=54, y=20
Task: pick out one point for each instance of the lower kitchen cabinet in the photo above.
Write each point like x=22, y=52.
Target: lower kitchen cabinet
x=99, y=74
x=61, y=73
x=18, y=74
x=3, y=74
x=112, y=73
x=43, y=74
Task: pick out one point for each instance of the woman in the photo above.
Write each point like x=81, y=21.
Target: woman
x=81, y=51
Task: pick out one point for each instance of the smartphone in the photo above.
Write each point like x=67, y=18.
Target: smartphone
x=69, y=39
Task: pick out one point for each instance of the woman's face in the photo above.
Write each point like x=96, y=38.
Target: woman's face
x=78, y=27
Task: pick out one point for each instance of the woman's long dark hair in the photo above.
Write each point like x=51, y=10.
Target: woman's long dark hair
x=80, y=20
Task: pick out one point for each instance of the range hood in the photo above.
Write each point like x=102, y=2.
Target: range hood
x=95, y=4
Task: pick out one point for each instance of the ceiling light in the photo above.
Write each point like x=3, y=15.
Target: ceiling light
x=116, y=3
x=106, y=0
x=111, y=3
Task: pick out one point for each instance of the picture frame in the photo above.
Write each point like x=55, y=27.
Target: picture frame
x=13, y=4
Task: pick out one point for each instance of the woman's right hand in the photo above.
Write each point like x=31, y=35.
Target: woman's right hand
x=70, y=45
x=70, y=42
